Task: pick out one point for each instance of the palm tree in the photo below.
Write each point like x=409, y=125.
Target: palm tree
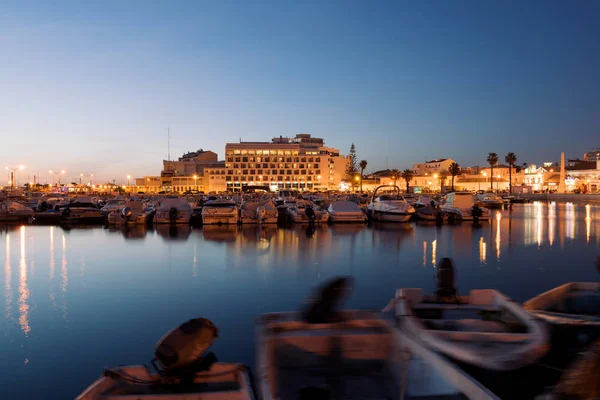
x=408, y=174
x=454, y=170
x=395, y=175
x=492, y=159
x=510, y=159
x=362, y=165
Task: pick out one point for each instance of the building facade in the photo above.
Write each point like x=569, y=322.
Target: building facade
x=592, y=155
x=302, y=162
x=187, y=173
x=429, y=168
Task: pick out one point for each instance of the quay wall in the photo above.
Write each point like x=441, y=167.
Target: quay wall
x=563, y=198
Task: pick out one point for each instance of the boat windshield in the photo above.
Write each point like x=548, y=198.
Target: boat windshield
x=387, y=197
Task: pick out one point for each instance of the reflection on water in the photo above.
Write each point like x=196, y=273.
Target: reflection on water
x=482, y=250
x=174, y=232
x=140, y=282
x=23, y=290
x=498, y=241
x=7, y=277
x=588, y=222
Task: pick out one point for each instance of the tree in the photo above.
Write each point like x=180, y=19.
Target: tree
x=454, y=169
x=395, y=175
x=351, y=167
x=492, y=159
x=407, y=174
x=510, y=159
x=363, y=165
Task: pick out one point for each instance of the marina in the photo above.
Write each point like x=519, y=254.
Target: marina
x=131, y=284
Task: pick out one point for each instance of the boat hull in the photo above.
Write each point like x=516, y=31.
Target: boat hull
x=347, y=218
x=389, y=216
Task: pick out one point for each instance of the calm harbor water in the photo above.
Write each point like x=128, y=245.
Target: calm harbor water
x=79, y=299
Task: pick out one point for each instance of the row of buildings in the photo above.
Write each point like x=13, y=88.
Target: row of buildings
x=304, y=162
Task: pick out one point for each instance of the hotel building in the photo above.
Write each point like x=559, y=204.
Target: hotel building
x=302, y=162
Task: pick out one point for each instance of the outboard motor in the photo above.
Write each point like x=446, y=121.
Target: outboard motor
x=310, y=214
x=126, y=213
x=43, y=206
x=445, y=277
x=322, y=306
x=173, y=215
x=185, y=345
x=66, y=212
x=476, y=212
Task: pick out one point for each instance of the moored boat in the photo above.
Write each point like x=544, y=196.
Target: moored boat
x=133, y=213
x=462, y=206
x=327, y=353
x=184, y=371
x=173, y=211
x=259, y=212
x=389, y=207
x=490, y=200
x=304, y=212
x=220, y=211
x=574, y=303
x=485, y=329
x=11, y=211
x=345, y=211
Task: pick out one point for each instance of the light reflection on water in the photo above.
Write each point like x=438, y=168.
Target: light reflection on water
x=113, y=292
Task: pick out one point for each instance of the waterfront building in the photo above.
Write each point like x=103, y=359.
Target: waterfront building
x=592, y=155
x=302, y=162
x=429, y=168
x=148, y=184
x=214, y=178
x=187, y=173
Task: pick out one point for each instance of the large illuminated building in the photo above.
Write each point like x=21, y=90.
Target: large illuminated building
x=302, y=162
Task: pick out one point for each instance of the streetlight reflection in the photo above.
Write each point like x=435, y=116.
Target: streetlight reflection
x=23, y=289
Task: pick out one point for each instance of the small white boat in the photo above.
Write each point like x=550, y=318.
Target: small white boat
x=185, y=373
x=389, y=207
x=490, y=200
x=259, y=212
x=134, y=213
x=345, y=211
x=324, y=353
x=304, y=212
x=220, y=211
x=574, y=303
x=461, y=206
x=11, y=211
x=484, y=329
x=173, y=211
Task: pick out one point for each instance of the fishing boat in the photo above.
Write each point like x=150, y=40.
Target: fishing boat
x=574, y=303
x=11, y=211
x=485, y=329
x=173, y=211
x=322, y=352
x=304, y=211
x=259, y=212
x=184, y=371
x=462, y=205
x=345, y=211
x=134, y=213
x=388, y=205
x=220, y=211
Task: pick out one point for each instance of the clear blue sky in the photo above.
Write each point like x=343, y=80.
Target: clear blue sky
x=92, y=86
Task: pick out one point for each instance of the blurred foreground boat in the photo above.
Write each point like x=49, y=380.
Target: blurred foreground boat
x=322, y=353
x=185, y=371
x=484, y=329
x=11, y=211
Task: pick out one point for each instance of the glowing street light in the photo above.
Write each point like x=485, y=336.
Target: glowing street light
x=195, y=181
x=14, y=178
x=128, y=179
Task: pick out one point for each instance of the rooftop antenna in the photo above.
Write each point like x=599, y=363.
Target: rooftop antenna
x=168, y=143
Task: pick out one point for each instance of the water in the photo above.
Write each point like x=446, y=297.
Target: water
x=80, y=299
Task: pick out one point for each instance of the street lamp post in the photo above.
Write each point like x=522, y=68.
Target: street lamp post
x=128, y=180
x=196, y=182
x=13, y=176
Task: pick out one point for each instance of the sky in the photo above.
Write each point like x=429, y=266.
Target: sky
x=92, y=87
